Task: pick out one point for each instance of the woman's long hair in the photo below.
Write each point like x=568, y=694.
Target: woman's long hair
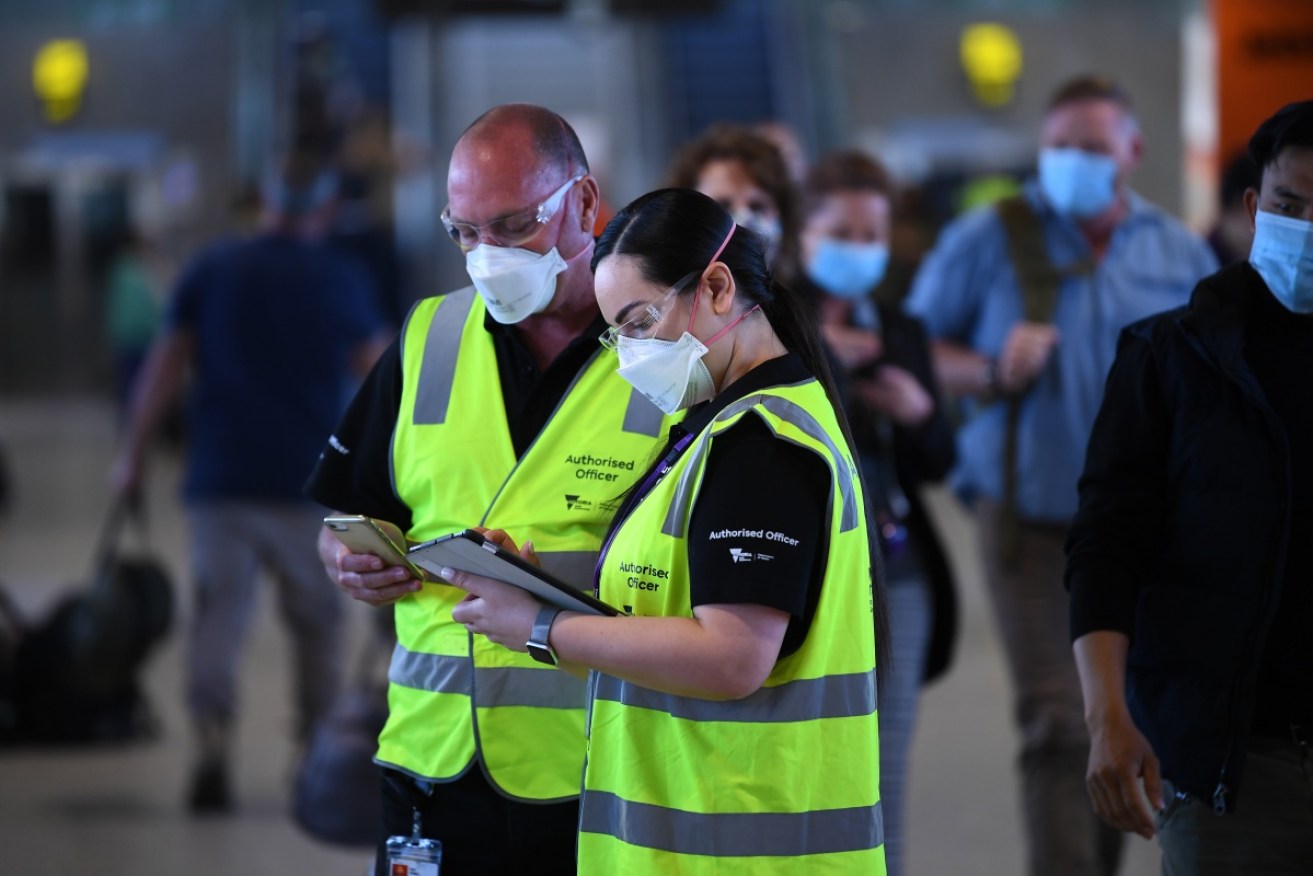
x=672, y=232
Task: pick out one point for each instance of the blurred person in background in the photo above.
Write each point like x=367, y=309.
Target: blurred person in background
x=359, y=233
x=1189, y=561
x=903, y=437
x=745, y=173
x=1233, y=231
x=132, y=312
x=495, y=407
x=369, y=162
x=785, y=138
x=1024, y=301
x=273, y=327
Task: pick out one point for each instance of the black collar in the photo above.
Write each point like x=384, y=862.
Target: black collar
x=1218, y=317
x=510, y=333
x=781, y=371
x=1219, y=310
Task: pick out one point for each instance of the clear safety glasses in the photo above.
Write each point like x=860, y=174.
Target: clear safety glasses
x=509, y=231
x=649, y=316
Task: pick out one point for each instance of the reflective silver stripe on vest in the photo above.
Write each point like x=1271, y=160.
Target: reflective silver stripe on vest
x=834, y=696
x=431, y=672
x=572, y=567
x=789, y=412
x=544, y=688
x=641, y=416
x=776, y=834
x=438, y=369
x=502, y=686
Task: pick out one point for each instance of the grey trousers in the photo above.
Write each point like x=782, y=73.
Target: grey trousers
x=1269, y=832
x=1063, y=835
x=909, y=633
x=231, y=542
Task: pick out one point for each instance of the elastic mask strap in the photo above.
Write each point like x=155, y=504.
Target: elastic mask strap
x=724, y=243
x=742, y=316
x=694, y=315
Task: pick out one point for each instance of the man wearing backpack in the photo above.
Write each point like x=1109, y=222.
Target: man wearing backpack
x=1025, y=300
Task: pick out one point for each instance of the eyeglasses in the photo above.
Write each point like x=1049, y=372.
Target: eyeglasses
x=510, y=230
x=644, y=324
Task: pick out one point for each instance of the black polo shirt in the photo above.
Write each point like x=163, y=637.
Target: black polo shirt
x=758, y=533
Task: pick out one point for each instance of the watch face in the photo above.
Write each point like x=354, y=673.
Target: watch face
x=541, y=653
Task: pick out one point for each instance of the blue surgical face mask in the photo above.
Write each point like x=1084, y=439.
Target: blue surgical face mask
x=845, y=269
x=1077, y=183
x=1283, y=256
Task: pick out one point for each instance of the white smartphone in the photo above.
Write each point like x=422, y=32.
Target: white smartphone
x=363, y=535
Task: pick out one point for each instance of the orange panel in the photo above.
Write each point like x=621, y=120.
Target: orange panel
x=1264, y=59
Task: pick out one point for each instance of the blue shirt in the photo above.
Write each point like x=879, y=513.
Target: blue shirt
x=276, y=322
x=966, y=293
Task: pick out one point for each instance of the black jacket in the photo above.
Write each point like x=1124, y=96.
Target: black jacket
x=924, y=455
x=921, y=456
x=1182, y=532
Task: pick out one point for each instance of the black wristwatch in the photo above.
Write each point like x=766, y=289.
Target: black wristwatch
x=539, y=647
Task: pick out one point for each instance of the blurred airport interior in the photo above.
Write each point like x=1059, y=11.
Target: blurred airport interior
x=133, y=132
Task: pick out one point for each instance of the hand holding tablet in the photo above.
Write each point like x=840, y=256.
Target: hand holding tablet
x=473, y=552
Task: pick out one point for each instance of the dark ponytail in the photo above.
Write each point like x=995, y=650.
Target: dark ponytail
x=673, y=232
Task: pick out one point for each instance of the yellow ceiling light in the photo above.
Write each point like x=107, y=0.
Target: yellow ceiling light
x=991, y=57
x=59, y=76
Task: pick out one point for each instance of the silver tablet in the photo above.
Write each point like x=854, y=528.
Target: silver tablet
x=469, y=551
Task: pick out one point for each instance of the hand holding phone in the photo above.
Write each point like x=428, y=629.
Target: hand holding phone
x=364, y=535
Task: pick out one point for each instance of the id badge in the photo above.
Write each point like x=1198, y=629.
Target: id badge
x=413, y=856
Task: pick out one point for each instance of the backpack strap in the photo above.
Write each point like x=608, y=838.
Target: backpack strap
x=1038, y=280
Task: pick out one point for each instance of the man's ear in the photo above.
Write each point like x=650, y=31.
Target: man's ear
x=590, y=202
x=1251, y=204
x=1134, y=154
x=720, y=286
x=1137, y=151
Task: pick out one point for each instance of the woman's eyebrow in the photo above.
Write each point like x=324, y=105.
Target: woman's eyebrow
x=622, y=315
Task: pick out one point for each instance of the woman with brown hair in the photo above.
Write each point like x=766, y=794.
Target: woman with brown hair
x=745, y=173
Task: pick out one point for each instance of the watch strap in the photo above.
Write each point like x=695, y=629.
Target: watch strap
x=540, y=638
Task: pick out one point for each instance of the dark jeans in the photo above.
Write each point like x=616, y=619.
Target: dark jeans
x=1270, y=831
x=481, y=831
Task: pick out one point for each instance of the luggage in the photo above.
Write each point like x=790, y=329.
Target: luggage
x=336, y=798
x=76, y=674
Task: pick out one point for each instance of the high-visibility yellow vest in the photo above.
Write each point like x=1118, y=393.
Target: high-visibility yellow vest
x=453, y=697
x=784, y=781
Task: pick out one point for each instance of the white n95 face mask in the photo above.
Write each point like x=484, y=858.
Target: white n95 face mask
x=670, y=374
x=514, y=283
x=1282, y=254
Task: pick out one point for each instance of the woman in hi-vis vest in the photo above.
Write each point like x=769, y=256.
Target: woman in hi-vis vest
x=732, y=709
